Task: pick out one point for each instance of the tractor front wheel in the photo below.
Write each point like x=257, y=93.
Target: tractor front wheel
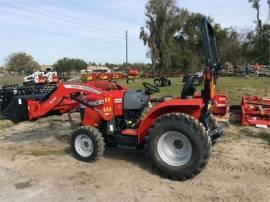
x=178, y=146
x=87, y=144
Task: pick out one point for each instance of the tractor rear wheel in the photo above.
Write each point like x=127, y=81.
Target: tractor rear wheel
x=87, y=144
x=178, y=146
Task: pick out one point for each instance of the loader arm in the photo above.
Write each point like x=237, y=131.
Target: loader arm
x=63, y=92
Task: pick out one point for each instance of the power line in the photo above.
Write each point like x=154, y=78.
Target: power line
x=61, y=23
x=70, y=17
x=76, y=19
x=58, y=20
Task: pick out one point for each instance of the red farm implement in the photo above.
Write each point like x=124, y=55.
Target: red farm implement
x=101, y=74
x=104, y=76
x=255, y=111
x=220, y=105
x=149, y=75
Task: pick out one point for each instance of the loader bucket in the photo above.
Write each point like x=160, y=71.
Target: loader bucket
x=13, y=100
x=17, y=110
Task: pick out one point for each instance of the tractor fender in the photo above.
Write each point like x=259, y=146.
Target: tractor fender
x=191, y=107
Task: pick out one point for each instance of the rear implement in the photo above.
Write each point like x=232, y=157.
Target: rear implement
x=255, y=111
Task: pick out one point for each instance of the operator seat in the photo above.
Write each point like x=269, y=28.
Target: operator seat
x=188, y=89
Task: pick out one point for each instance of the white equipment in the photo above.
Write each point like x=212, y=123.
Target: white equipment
x=35, y=78
x=52, y=77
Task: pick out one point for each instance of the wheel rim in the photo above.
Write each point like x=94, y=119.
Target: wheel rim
x=84, y=145
x=174, y=148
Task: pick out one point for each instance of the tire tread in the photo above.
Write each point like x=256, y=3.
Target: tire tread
x=100, y=142
x=197, y=129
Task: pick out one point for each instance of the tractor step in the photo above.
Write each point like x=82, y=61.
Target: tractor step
x=127, y=142
x=218, y=132
x=130, y=132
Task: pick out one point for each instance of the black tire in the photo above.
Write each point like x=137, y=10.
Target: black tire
x=97, y=141
x=193, y=131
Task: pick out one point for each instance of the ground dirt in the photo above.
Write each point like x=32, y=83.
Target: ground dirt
x=36, y=165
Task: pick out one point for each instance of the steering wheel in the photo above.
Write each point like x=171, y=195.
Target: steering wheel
x=149, y=88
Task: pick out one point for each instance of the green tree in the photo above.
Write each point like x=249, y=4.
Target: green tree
x=261, y=39
x=21, y=62
x=266, y=44
x=65, y=65
x=189, y=55
x=163, y=18
x=229, y=45
x=256, y=6
x=92, y=63
x=268, y=18
x=174, y=40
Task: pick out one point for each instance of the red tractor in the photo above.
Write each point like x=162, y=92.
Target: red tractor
x=176, y=132
x=133, y=72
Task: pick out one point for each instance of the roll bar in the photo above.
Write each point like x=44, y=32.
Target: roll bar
x=209, y=45
x=212, y=66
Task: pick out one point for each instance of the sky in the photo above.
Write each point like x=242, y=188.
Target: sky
x=94, y=30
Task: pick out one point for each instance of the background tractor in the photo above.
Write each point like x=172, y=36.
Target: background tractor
x=162, y=81
x=132, y=74
x=52, y=77
x=35, y=78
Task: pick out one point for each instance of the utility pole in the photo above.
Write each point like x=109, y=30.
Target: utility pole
x=126, y=46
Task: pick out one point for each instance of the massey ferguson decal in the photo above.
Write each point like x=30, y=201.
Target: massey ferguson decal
x=52, y=101
x=79, y=87
x=119, y=100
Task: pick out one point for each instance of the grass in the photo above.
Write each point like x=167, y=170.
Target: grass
x=11, y=79
x=171, y=90
x=234, y=87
